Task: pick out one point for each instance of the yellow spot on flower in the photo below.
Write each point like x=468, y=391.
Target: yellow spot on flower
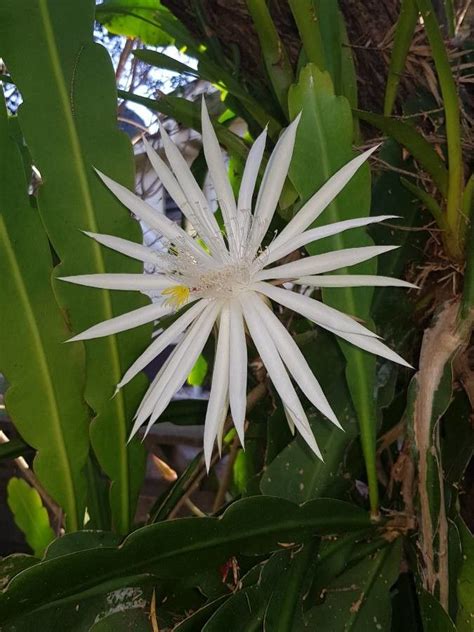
x=178, y=295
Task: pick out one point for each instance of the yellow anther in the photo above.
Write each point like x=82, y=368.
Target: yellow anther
x=178, y=295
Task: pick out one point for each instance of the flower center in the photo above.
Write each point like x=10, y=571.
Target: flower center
x=223, y=282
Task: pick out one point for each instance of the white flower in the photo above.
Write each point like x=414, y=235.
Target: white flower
x=229, y=281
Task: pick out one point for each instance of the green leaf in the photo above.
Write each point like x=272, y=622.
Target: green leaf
x=409, y=137
x=68, y=118
x=358, y=599
x=330, y=25
x=449, y=91
x=243, y=611
x=428, y=201
x=195, y=621
x=188, y=113
x=185, y=548
x=198, y=372
x=323, y=145
x=404, y=32
x=45, y=399
x=294, y=474
x=465, y=582
x=274, y=54
x=348, y=71
x=307, y=21
x=160, y=60
x=433, y=615
x=289, y=587
x=131, y=616
x=14, y=564
x=137, y=18
x=30, y=515
x=246, y=608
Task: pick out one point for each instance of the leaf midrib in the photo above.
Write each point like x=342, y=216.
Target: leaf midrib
x=79, y=167
x=45, y=375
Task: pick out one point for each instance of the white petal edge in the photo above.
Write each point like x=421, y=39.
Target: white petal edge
x=247, y=186
x=126, y=247
x=327, y=262
x=321, y=314
x=276, y=370
x=322, y=198
x=217, y=406
x=220, y=179
x=132, y=319
x=372, y=345
x=174, y=374
x=151, y=217
x=352, y=280
x=168, y=337
x=119, y=281
x=238, y=369
x=171, y=184
x=295, y=361
x=204, y=222
x=272, y=185
x=272, y=254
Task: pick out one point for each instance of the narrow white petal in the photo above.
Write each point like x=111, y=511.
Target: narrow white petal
x=217, y=407
x=321, y=199
x=152, y=218
x=276, y=370
x=179, y=367
x=165, y=339
x=171, y=184
x=352, y=280
x=272, y=185
x=272, y=254
x=129, y=248
x=166, y=176
x=149, y=400
x=149, y=395
x=218, y=171
x=221, y=425
x=137, y=317
x=372, y=345
x=238, y=369
x=326, y=262
x=119, y=281
x=204, y=220
x=289, y=420
x=247, y=186
x=175, y=375
x=295, y=361
x=304, y=429
x=314, y=310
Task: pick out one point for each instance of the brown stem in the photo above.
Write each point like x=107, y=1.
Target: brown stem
x=124, y=55
x=30, y=477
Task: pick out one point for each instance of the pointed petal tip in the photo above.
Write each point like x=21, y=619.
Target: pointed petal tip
x=334, y=420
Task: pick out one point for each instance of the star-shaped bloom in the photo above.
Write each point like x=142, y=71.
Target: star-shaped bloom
x=225, y=276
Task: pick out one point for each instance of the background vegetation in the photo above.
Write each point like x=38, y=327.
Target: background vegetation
x=379, y=535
